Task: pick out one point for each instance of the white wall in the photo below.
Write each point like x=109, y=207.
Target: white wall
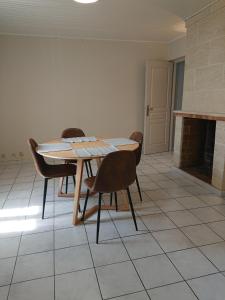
x=177, y=49
x=49, y=84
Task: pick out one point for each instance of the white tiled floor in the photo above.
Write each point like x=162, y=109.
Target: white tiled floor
x=177, y=254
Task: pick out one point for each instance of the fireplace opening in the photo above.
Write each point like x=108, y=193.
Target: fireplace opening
x=198, y=148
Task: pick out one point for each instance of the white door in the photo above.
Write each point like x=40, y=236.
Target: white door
x=157, y=106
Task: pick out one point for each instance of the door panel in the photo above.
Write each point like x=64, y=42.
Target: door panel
x=157, y=106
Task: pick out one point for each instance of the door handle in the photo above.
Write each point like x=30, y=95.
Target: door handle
x=148, y=109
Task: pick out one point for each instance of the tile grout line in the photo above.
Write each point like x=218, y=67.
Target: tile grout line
x=121, y=238
x=93, y=262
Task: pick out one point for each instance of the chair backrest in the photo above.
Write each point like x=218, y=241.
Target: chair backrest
x=72, y=132
x=39, y=161
x=137, y=137
x=116, y=172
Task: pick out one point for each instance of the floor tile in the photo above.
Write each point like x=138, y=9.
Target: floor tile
x=183, y=218
x=118, y=279
x=191, y=263
x=108, y=252
x=4, y=292
x=172, y=240
x=136, y=198
x=33, y=266
x=136, y=296
x=19, y=194
x=6, y=270
x=210, y=287
x=156, y=271
x=146, y=208
x=216, y=254
x=63, y=221
x=40, y=226
x=80, y=285
x=177, y=291
x=169, y=205
x=191, y=202
x=167, y=183
x=9, y=247
x=220, y=209
x=34, y=289
x=201, y=235
x=38, y=242
x=142, y=245
x=107, y=231
x=178, y=192
x=158, y=222
x=219, y=228
x=158, y=195
x=212, y=199
x=70, y=237
x=5, y=188
x=148, y=186
x=197, y=190
x=72, y=259
x=207, y=214
x=16, y=203
x=126, y=226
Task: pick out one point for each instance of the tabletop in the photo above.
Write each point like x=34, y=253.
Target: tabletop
x=70, y=155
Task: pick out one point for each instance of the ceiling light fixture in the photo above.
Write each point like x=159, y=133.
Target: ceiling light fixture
x=86, y=1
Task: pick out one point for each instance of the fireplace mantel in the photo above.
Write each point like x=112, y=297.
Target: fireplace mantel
x=197, y=115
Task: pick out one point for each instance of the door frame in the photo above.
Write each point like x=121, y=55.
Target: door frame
x=148, y=108
x=172, y=123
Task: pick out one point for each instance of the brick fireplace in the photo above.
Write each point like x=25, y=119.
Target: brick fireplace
x=199, y=147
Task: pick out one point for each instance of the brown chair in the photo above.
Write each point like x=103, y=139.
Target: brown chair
x=138, y=137
x=49, y=171
x=116, y=172
x=71, y=133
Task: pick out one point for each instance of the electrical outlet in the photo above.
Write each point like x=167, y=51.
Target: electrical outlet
x=13, y=155
x=21, y=154
x=3, y=156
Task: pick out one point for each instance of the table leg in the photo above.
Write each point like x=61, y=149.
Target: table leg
x=79, y=175
x=60, y=192
x=98, y=161
x=124, y=204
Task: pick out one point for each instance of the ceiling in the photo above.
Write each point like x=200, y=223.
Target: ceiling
x=139, y=20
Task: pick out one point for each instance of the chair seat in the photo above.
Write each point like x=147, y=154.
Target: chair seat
x=62, y=170
x=89, y=182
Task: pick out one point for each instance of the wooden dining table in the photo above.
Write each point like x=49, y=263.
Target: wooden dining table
x=71, y=155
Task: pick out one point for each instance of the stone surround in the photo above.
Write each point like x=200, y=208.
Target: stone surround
x=204, y=82
x=181, y=158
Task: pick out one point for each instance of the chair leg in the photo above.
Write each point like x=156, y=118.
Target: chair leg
x=44, y=196
x=115, y=194
x=74, y=180
x=87, y=170
x=98, y=217
x=85, y=204
x=90, y=168
x=67, y=184
x=139, y=190
x=111, y=198
x=132, y=208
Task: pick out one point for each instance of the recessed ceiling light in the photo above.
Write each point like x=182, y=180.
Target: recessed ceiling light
x=86, y=1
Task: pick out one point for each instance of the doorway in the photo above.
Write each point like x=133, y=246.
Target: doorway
x=177, y=95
